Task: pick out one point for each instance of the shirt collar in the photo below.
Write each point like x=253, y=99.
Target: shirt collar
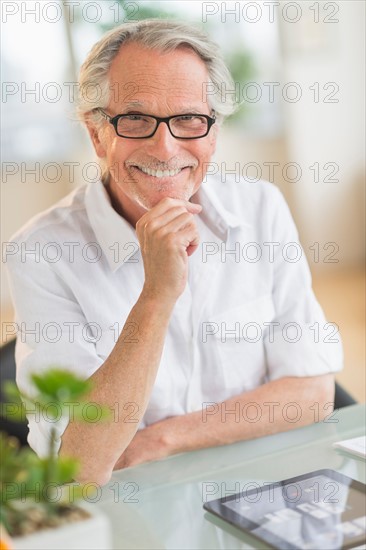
x=113, y=232
x=214, y=214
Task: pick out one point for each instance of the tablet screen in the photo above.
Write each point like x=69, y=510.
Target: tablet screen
x=322, y=509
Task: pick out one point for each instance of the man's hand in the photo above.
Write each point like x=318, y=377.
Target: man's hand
x=167, y=235
x=150, y=443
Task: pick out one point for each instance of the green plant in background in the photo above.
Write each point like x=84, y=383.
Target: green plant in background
x=242, y=70
x=33, y=490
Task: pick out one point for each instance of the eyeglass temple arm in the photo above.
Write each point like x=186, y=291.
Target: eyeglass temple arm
x=104, y=115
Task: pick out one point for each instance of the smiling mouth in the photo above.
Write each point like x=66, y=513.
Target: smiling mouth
x=160, y=173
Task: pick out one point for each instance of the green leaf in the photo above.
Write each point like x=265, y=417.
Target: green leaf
x=13, y=411
x=24, y=477
x=66, y=469
x=11, y=391
x=60, y=385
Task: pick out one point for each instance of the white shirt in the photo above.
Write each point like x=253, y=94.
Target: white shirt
x=247, y=316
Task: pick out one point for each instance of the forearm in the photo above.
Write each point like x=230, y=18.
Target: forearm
x=277, y=406
x=167, y=235
x=127, y=376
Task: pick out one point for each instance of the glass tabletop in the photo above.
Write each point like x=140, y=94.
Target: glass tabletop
x=160, y=504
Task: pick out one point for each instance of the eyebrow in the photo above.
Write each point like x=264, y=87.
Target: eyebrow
x=132, y=105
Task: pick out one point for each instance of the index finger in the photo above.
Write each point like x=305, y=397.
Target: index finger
x=167, y=203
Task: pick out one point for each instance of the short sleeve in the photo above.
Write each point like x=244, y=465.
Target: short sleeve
x=51, y=332
x=299, y=341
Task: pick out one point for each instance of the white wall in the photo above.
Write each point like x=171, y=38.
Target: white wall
x=329, y=132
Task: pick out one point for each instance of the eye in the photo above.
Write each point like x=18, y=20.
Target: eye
x=190, y=120
x=134, y=117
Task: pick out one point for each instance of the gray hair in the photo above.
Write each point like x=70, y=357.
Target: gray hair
x=165, y=36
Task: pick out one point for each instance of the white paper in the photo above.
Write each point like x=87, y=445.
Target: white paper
x=356, y=446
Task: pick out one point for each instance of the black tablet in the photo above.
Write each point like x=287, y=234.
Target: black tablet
x=322, y=509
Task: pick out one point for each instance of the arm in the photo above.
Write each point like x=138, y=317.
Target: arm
x=127, y=376
x=263, y=411
x=216, y=426
x=167, y=235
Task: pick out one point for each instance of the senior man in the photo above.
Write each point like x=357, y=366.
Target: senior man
x=194, y=308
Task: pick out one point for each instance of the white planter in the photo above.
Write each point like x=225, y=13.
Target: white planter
x=92, y=533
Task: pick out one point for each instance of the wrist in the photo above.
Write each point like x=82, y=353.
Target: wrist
x=178, y=433
x=157, y=300
x=168, y=435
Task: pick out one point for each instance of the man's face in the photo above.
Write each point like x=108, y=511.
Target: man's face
x=149, y=82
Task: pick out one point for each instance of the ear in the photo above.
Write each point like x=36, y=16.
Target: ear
x=94, y=134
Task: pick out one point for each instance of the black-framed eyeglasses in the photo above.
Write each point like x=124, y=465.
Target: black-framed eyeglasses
x=140, y=126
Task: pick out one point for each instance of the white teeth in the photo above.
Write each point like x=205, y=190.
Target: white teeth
x=159, y=173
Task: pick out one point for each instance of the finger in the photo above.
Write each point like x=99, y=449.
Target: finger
x=193, y=240
x=191, y=249
x=177, y=224
x=167, y=203
x=185, y=234
x=149, y=225
x=164, y=219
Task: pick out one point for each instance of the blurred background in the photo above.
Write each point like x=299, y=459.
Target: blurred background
x=299, y=69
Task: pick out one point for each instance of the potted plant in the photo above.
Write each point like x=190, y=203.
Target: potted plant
x=40, y=507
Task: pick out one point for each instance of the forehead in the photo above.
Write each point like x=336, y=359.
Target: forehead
x=140, y=76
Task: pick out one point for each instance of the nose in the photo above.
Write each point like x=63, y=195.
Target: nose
x=162, y=145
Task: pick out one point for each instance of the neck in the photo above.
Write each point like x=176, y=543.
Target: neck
x=125, y=208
